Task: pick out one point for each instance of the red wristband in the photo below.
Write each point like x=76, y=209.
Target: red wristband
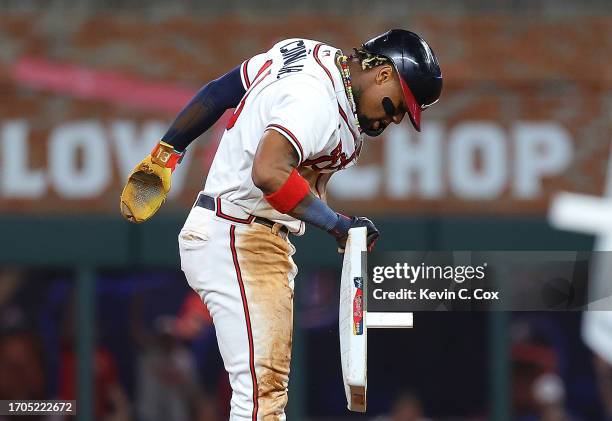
x=290, y=194
x=165, y=155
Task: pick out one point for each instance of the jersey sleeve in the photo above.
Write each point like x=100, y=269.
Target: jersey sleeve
x=302, y=113
x=250, y=67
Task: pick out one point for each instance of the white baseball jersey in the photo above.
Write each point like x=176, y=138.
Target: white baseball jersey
x=296, y=89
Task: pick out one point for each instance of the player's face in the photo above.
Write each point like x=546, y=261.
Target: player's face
x=381, y=102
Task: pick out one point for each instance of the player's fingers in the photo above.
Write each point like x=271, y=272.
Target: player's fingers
x=372, y=241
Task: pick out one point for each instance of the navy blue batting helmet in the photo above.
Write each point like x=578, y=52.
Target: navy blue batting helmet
x=417, y=66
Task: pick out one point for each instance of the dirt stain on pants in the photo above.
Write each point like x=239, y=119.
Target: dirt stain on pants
x=268, y=271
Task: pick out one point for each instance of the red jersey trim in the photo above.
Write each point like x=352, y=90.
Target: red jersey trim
x=342, y=113
x=315, y=53
x=245, y=74
x=345, y=118
x=291, y=137
x=263, y=68
x=238, y=110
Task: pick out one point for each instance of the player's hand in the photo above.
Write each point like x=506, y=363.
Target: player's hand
x=149, y=183
x=340, y=231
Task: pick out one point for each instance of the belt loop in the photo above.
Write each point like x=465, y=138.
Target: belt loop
x=196, y=200
x=276, y=228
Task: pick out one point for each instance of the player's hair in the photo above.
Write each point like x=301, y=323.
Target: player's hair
x=369, y=60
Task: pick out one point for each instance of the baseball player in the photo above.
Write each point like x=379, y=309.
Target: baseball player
x=301, y=110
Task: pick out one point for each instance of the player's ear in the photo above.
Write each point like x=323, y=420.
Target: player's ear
x=384, y=74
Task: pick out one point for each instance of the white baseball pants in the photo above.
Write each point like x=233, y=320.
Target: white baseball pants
x=244, y=273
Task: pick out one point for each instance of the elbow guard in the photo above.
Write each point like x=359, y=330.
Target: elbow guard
x=290, y=193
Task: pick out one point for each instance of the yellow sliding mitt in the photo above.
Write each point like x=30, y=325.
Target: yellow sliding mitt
x=149, y=183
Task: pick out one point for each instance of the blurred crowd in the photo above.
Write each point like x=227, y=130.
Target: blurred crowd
x=174, y=371
x=164, y=369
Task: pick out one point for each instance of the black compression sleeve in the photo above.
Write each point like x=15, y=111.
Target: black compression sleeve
x=205, y=108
